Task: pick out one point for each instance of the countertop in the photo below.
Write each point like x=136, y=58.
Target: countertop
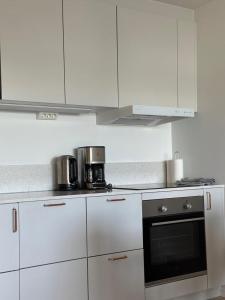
x=56, y=195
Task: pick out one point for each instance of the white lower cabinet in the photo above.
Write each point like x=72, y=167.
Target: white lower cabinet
x=9, y=286
x=52, y=231
x=114, y=224
x=9, y=237
x=117, y=276
x=176, y=289
x=215, y=236
x=67, y=281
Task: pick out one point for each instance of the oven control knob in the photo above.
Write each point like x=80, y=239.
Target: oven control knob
x=163, y=209
x=188, y=206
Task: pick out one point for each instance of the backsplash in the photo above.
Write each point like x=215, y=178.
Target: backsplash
x=26, y=178
x=134, y=173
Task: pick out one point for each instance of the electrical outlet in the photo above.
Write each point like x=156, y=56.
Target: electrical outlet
x=46, y=116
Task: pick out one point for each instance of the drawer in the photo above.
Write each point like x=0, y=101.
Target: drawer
x=117, y=276
x=114, y=224
x=52, y=231
x=9, y=286
x=60, y=281
x=177, y=289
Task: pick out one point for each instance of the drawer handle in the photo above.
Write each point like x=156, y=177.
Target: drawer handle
x=116, y=200
x=54, y=205
x=14, y=220
x=117, y=258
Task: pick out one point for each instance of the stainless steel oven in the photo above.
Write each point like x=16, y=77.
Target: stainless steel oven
x=174, y=239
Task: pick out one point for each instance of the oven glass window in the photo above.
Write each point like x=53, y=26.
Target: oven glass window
x=173, y=250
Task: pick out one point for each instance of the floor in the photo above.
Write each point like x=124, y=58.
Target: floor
x=219, y=298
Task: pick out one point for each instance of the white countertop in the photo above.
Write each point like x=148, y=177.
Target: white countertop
x=57, y=195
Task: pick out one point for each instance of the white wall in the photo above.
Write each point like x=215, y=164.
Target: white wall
x=24, y=140
x=202, y=141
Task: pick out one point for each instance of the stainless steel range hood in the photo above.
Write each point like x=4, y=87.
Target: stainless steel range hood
x=140, y=115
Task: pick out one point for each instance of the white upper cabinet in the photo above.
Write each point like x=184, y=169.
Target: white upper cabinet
x=32, y=50
x=147, y=58
x=52, y=231
x=114, y=224
x=9, y=238
x=90, y=53
x=215, y=236
x=187, y=65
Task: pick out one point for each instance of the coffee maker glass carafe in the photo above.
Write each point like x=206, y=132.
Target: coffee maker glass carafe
x=95, y=175
x=91, y=167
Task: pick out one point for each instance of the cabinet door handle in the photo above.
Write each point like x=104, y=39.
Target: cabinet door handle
x=55, y=204
x=14, y=220
x=116, y=200
x=117, y=258
x=209, y=201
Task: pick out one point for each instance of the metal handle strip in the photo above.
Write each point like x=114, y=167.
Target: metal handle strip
x=14, y=220
x=178, y=221
x=117, y=258
x=55, y=204
x=116, y=200
x=209, y=201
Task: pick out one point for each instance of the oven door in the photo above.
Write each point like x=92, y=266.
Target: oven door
x=174, y=247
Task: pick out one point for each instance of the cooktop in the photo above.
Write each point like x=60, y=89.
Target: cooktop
x=146, y=186
x=152, y=186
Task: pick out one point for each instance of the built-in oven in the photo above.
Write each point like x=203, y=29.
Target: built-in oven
x=174, y=239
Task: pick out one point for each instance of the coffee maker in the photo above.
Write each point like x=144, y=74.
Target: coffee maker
x=66, y=167
x=91, y=167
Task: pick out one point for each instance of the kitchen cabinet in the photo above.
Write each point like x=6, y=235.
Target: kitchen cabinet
x=119, y=276
x=147, y=58
x=67, y=281
x=32, y=50
x=9, y=238
x=174, y=290
x=215, y=236
x=9, y=286
x=90, y=53
x=52, y=231
x=114, y=224
x=187, y=65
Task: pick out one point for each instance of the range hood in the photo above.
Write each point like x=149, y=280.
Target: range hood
x=140, y=115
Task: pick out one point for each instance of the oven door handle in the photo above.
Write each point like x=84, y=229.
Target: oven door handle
x=178, y=221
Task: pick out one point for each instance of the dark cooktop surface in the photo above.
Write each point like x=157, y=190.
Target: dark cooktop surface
x=152, y=186
x=146, y=186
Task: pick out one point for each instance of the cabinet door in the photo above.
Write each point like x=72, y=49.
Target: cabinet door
x=215, y=240
x=187, y=66
x=67, y=281
x=114, y=224
x=9, y=238
x=90, y=53
x=9, y=286
x=119, y=276
x=52, y=231
x=32, y=50
x=147, y=49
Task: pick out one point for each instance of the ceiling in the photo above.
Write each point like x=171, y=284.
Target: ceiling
x=186, y=3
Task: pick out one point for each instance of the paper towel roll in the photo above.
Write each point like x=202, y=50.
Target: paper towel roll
x=174, y=170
